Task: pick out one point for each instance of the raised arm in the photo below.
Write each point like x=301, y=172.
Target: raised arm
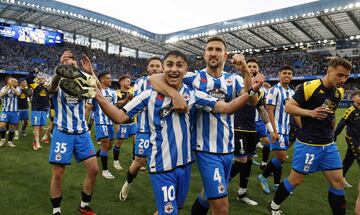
x=15, y=90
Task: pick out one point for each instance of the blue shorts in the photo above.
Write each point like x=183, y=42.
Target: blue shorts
x=24, y=114
x=11, y=117
x=142, y=145
x=64, y=145
x=38, y=118
x=261, y=129
x=126, y=131
x=215, y=173
x=282, y=144
x=170, y=189
x=308, y=159
x=104, y=131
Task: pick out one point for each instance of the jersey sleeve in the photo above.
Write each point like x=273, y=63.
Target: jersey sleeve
x=271, y=96
x=204, y=101
x=138, y=85
x=189, y=78
x=261, y=100
x=137, y=104
x=299, y=95
x=239, y=84
x=115, y=97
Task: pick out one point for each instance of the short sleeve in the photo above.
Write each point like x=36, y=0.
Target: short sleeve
x=115, y=97
x=138, y=103
x=299, y=95
x=271, y=96
x=239, y=84
x=204, y=101
x=137, y=87
x=189, y=78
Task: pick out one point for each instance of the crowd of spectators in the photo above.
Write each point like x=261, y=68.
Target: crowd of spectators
x=303, y=63
x=25, y=56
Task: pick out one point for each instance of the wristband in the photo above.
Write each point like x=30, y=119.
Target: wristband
x=269, y=127
x=251, y=92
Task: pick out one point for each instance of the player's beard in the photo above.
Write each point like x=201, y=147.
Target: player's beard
x=214, y=66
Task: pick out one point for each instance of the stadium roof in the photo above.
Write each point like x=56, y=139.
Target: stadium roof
x=317, y=22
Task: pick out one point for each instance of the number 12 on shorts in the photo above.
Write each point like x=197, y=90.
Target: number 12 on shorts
x=309, y=158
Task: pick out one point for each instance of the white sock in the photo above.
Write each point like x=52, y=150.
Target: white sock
x=16, y=133
x=116, y=162
x=84, y=204
x=241, y=191
x=55, y=210
x=274, y=206
x=263, y=163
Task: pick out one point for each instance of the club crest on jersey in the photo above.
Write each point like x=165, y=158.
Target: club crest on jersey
x=221, y=188
x=218, y=94
x=229, y=81
x=186, y=97
x=168, y=208
x=58, y=157
x=166, y=111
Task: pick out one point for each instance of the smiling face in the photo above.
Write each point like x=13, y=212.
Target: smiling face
x=285, y=76
x=125, y=83
x=215, y=54
x=106, y=80
x=175, y=67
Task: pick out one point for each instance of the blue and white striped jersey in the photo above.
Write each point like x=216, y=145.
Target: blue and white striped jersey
x=171, y=133
x=69, y=113
x=215, y=132
x=99, y=116
x=264, y=92
x=277, y=96
x=141, y=85
x=10, y=100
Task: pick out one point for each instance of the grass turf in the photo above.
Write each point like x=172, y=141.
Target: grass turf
x=25, y=177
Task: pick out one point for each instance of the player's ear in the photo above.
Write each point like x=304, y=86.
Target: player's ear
x=225, y=54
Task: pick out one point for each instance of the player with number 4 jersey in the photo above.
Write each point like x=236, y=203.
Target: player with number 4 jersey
x=171, y=132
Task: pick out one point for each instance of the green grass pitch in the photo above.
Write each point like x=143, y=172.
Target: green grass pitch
x=25, y=177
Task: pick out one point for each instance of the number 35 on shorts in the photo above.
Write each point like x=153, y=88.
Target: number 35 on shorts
x=60, y=147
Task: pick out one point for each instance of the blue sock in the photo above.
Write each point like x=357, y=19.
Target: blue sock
x=289, y=187
x=276, y=162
